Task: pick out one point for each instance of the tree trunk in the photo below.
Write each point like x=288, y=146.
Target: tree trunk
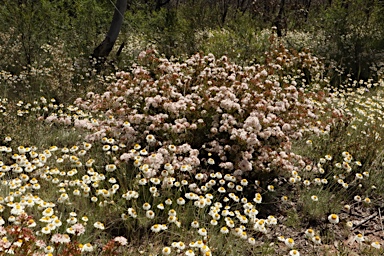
x=279, y=23
x=160, y=3
x=225, y=12
x=102, y=51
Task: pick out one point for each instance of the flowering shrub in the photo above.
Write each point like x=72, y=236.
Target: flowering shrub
x=244, y=117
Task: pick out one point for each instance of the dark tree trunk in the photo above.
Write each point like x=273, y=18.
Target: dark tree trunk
x=225, y=11
x=244, y=5
x=160, y=3
x=279, y=23
x=307, y=7
x=102, y=51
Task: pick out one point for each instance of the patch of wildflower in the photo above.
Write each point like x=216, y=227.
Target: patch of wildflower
x=179, y=140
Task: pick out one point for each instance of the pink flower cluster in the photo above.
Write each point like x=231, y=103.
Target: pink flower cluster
x=245, y=117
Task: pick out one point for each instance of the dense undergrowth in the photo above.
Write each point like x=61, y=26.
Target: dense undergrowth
x=193, y=156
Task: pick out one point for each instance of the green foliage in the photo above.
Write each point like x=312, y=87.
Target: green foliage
x=312, y=211
x=32, y=24
x=166, y=29
x=242, y=44
x=292, y=219
x=353, y=36
x=25, y=21
x=45, y=45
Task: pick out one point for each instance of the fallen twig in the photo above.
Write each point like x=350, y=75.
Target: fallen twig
x=365, y=220
x=381, y=221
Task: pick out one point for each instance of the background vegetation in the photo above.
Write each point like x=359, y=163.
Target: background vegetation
x=346, y=34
